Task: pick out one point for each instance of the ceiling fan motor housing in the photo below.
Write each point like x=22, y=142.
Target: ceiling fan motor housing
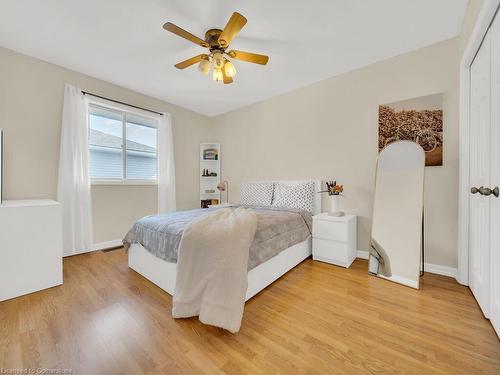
x=212, y=38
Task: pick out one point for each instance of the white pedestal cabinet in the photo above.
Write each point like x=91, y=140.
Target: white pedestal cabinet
x=30, y=247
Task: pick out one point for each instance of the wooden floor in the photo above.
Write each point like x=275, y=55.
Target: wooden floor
x=318, y=318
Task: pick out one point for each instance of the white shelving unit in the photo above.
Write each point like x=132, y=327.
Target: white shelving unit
x=209, y=160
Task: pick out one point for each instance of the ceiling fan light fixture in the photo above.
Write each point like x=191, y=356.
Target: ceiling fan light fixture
x=229, y=69
x=217, y=42
x=217, y=75
x=218, y=60
x=204, y=67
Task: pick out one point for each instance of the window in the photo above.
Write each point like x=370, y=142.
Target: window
x=112, y=159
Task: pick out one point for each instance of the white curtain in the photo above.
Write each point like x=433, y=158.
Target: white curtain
x=166, y=166
x=73, y=189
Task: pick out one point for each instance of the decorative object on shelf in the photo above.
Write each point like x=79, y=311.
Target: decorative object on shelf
x=334, y=191
x=418, y=120
x=210, y=154
x=217, y=42
x=224, y=186
x=206, y=173
x=206, y=203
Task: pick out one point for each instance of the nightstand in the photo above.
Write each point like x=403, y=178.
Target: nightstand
x=334, y=239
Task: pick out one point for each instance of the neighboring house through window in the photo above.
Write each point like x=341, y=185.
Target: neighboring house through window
x=112, y=159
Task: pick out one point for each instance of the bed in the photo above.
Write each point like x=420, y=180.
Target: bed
x=163, y=273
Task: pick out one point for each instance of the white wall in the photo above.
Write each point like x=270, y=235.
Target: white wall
x=31, y=97
x=329, y=130
x=326, y=130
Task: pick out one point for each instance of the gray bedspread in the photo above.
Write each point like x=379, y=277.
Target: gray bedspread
x=277, y=230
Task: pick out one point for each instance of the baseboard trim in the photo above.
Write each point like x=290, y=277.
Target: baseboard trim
x=440, y=270
x=97, y=246
x=80, y=252
x=429, y=267
x=362, y=254
x=106, y=245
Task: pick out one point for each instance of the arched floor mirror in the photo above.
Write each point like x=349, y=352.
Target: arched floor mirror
x=396, y=238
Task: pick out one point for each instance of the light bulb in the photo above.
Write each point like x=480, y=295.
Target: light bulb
x=204, y=66
x=217, y=75
x=217, y=60
x=229, y=69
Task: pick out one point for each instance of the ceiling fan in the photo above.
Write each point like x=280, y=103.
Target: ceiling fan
x=217, y=41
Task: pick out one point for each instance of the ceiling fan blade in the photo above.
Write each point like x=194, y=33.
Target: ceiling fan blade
x=232, y=28
x=184, y=34
x=249, y=57
x=193, y=60
x=225, y=78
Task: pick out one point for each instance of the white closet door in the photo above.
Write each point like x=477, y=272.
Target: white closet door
x=479, y=219
x=495, y=176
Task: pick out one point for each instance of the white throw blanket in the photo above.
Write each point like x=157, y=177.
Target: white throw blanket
x=212, y=276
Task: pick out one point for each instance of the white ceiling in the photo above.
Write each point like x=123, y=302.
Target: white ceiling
x=122, y=41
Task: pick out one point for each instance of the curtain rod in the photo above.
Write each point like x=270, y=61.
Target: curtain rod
x=117, y=101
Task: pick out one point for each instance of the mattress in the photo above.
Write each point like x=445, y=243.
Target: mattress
x=277, y=230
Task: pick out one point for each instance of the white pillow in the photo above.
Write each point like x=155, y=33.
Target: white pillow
x=256, y=193
x=298, y=195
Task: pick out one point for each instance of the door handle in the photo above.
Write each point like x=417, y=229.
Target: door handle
x=487, y=191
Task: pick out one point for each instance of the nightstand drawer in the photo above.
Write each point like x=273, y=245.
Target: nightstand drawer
x=325, y=230
x=333, y=251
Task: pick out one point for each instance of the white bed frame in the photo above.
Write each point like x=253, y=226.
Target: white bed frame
x=163, y=273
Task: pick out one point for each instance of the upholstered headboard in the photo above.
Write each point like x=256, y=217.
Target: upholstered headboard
x=317, y=188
